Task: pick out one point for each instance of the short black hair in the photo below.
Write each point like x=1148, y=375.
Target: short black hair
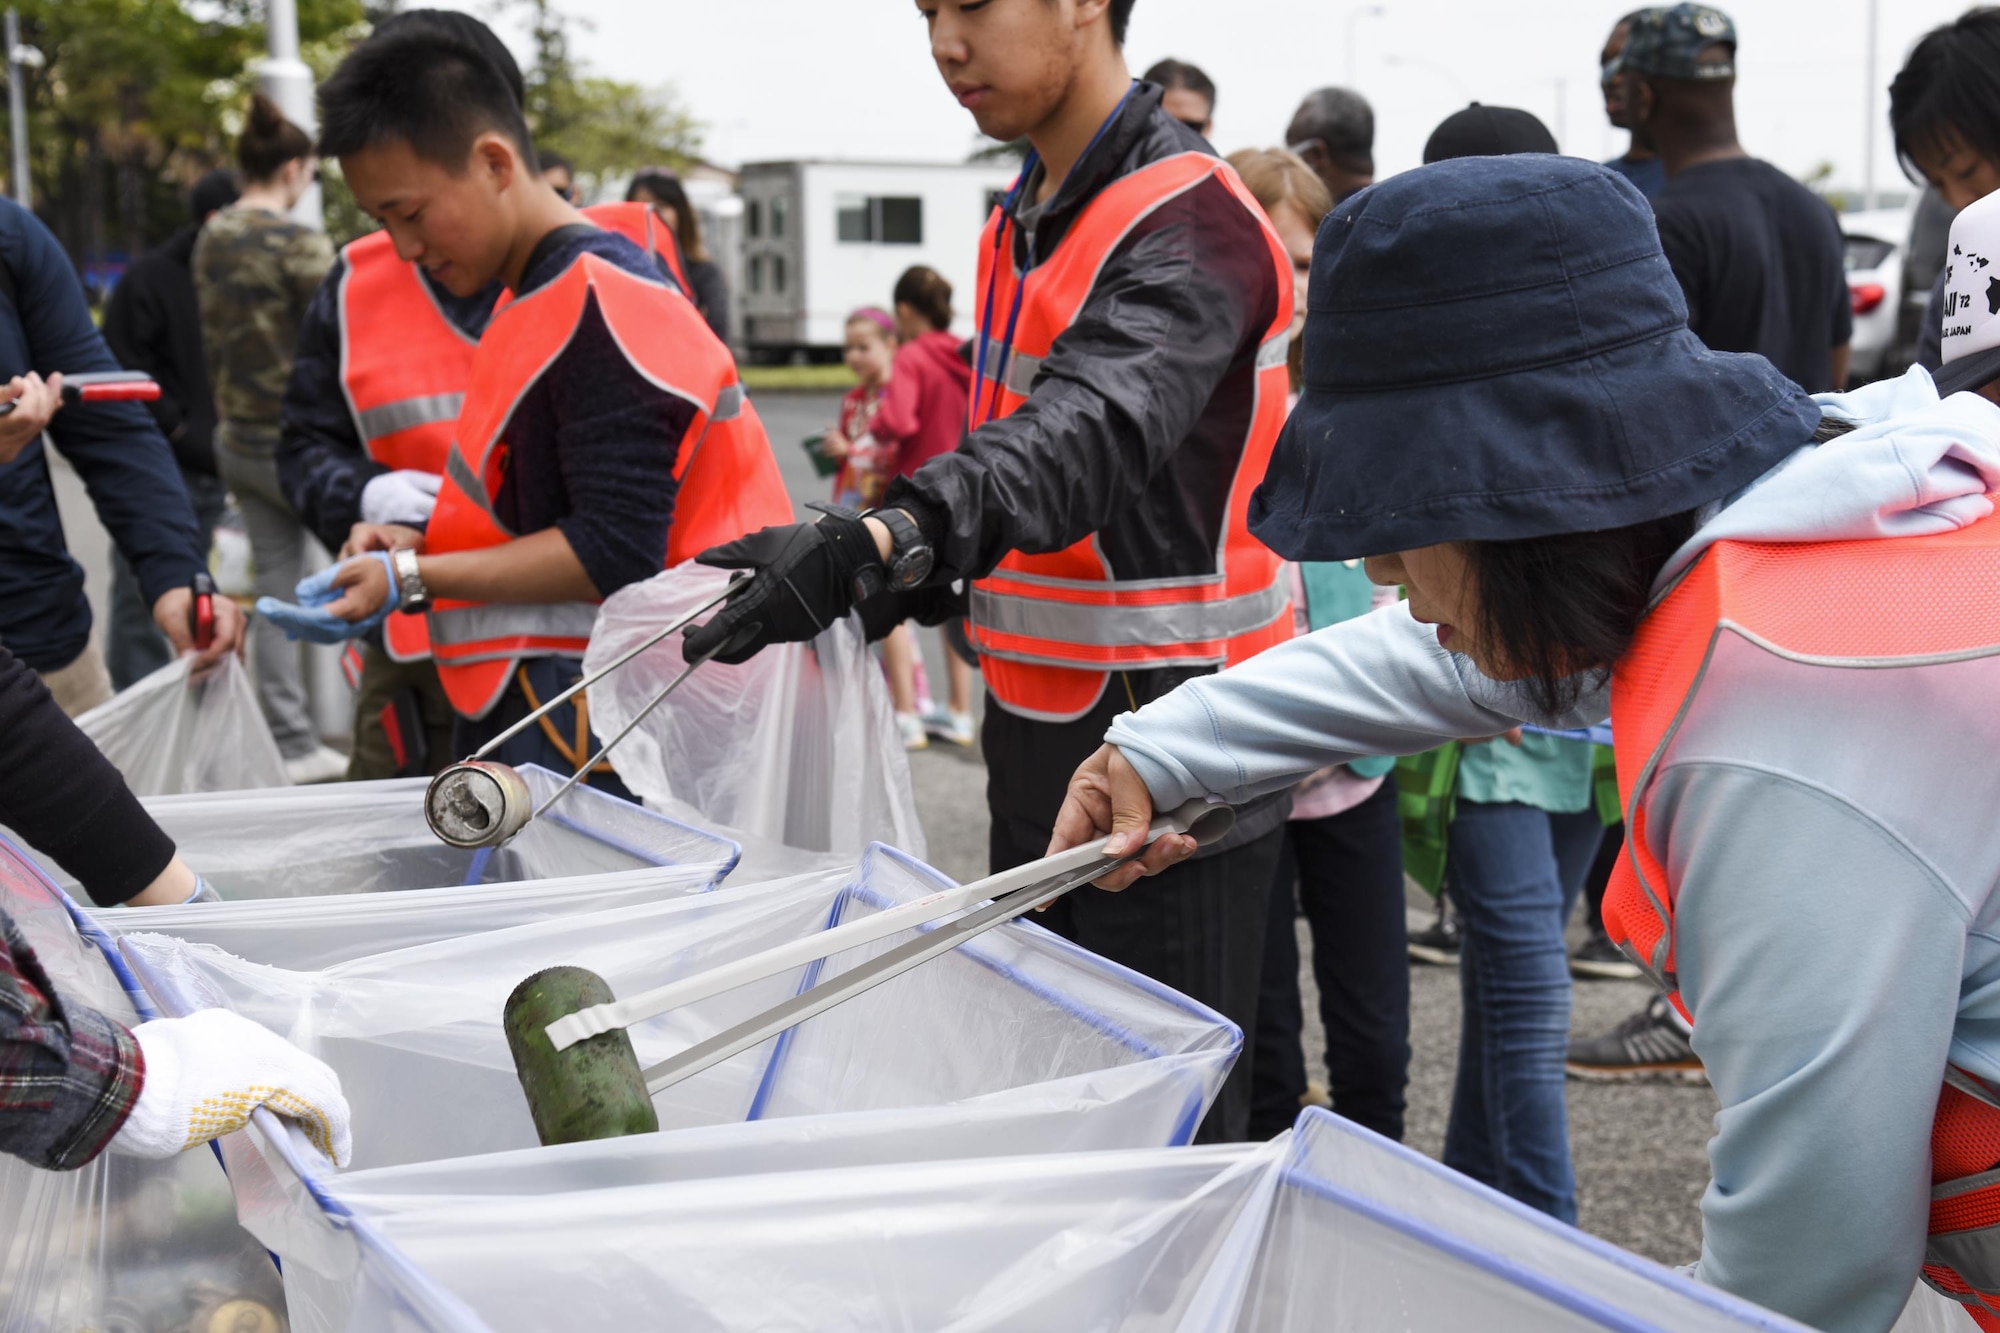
x=1342, y=120
x=925, y=291
x=1949, y=89
x=215, y=191
x=435, y=89
x=1179, y=74
x=557, y=162
x=1121, y=18
x=469, y=29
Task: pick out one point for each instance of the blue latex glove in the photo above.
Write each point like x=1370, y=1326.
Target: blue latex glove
x=310, y=621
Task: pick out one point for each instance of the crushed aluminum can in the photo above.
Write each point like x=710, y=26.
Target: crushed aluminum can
x=477, y=803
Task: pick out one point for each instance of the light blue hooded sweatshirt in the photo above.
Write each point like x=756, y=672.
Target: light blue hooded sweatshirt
x=1832, y=834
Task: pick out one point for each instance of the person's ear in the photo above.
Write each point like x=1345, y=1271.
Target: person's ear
x=1091, y=11
x=494, y=159
x=1639, y=99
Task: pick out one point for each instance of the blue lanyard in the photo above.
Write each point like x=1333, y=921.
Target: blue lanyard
x=1028, y=166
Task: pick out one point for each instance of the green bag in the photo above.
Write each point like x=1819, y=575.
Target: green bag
x=822, y=465
x=1426, y=792
x=1338, y=590
x=1604, y=784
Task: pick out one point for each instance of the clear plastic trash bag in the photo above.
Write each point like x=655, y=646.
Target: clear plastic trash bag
x=1017, y=1042
x=129, y=1244
x=1327, y=1227
x=168, y=733
x=797, y=745
x=370, y=837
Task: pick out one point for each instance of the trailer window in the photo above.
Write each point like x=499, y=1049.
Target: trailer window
x=862, y=219
x=756, y=267
x=778, y=274
x=753, y=218
x=778, y=211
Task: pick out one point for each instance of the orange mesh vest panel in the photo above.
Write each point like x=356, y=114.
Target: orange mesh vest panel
x=404, y=367
x=639, y=224
x=1862, y=604
x=728, y=480
x=1049, y=629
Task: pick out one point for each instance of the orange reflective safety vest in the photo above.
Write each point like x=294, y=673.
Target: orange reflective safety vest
x=404, y=365
x=1870, y=605
x=728, y=480
x=1050, y=629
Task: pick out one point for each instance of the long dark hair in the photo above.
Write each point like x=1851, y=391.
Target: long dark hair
x=268, y=141
x=1560, y=610
x=665, y=188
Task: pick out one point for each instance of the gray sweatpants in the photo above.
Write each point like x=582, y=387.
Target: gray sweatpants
x=278, y=549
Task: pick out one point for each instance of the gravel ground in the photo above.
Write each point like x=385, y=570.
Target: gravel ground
x=1638, y=1150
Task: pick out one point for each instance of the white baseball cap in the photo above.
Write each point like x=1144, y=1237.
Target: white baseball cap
x=1972, y=299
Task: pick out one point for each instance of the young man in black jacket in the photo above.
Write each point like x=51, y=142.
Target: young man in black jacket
x=1117, y=448
x=152, y=323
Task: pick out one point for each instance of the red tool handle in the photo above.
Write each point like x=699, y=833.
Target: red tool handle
x=124, y=391
x=201, y=616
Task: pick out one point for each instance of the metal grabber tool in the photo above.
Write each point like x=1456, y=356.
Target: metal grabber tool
x=481, y=802
x=577, y=1064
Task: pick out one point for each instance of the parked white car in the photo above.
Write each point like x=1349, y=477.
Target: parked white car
x=1876, y=242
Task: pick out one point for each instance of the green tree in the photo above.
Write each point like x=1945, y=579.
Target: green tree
x=608, y=128
x=138, y=97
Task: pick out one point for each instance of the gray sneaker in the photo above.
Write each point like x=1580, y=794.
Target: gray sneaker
x=1648, y=1047
x=1598, y=959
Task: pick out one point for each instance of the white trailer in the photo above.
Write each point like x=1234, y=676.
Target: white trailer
x=822, y=238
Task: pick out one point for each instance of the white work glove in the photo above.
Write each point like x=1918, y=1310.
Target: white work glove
x=207, y=1072
x=405, y=497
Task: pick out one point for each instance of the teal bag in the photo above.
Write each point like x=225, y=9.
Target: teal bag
x=1338, y=590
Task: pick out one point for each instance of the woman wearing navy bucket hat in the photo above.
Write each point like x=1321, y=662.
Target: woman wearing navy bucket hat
x=1790, y=609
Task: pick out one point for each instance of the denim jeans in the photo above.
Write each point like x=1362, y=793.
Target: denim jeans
x=1514, y=873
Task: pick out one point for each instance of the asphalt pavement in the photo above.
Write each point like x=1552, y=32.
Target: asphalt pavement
x=1640, y=1162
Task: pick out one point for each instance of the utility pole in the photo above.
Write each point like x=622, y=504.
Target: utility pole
x=285, y=79
x=1868, y=131
x=1354, y=17
x=19, y=57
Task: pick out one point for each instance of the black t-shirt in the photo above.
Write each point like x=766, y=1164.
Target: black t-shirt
x=1759, y=257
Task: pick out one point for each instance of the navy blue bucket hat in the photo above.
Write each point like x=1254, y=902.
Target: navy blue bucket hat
x=1495, y=348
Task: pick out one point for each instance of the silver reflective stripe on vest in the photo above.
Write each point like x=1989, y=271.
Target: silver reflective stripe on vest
x=1274, y=352
x=404, y=413
x=457, y=626
x=1021, y=372
x=728, y=404
x=1974, y=1255
x=463, y=477
x=1155, y=626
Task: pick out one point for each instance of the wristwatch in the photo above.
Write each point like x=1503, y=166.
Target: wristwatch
x=910, y=556
x=414, y=598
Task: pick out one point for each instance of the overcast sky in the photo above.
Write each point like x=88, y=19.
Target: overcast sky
x=853, y=78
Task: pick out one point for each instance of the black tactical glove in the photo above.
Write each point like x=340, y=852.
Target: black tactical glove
x=803, y=579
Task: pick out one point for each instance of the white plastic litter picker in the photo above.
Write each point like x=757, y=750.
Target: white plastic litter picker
x=576, y=1062
x=480, y=802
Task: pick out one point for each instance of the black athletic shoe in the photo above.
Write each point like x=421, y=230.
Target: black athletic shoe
x=1438, y=944
x=1598, y=959
x=1648, y=1047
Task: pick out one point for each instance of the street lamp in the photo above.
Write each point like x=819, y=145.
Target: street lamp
x=19, y=57
x=1868, y=130
x=288, y=81
x=1430, y=67
x=1354, y=17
